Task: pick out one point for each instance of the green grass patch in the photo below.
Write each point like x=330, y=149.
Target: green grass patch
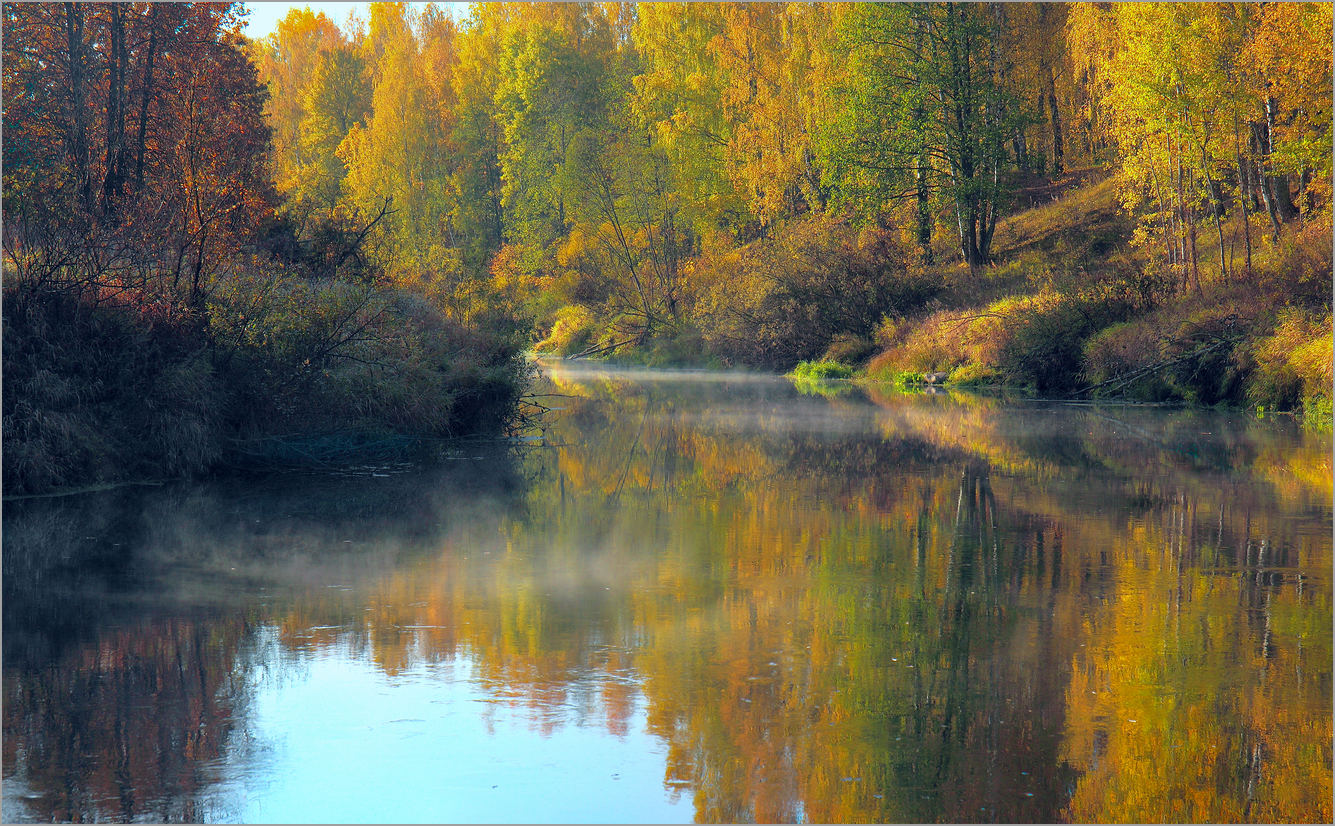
x=1317, y=414
x=821, y=371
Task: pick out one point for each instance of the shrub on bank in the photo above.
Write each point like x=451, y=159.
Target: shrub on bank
x=1300, y=267
x=1293, y=363
x=849, y=349
x=108, y=391
x=949, y=340
x=1032, y=341
x=1043, y=348
x=1237, y=347
x=974, y=375
x=99, y=392
x=680, y=347
x=817, y=286
x=572, y=332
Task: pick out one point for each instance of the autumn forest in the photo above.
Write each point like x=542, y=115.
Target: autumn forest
x=359, y=229
x=639, y=412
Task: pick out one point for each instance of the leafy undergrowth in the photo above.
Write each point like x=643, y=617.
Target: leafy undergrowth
x=110, y=392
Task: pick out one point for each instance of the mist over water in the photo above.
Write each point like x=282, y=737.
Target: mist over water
x=697, y=597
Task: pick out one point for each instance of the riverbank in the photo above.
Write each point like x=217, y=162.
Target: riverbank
x=1073, y=307
x=101, y=391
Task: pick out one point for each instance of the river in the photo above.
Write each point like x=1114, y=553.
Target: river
x=697, y=596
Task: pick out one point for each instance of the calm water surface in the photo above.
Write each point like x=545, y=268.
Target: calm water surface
x=698, y=597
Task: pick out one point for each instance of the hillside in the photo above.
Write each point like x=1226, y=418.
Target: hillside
x=1074, y=306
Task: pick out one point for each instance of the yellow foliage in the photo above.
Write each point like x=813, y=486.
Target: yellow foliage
x=571, y=331
x=1298, y=351
x=950, y=339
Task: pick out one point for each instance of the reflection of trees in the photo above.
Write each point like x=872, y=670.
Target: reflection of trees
x=132, y=630
x=894, y=697
x=1208, y=696
x=122, y=729
x=920, y=610
x=777, y=694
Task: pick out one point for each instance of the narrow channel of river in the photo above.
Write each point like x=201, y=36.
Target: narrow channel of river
x=698, y=597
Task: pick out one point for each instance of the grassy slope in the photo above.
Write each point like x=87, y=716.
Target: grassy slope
x=1071, y=302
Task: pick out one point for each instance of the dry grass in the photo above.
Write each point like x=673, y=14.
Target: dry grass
x=1293, y=363
x=1090, y=207
x=1074, y=301
x=1067, y=245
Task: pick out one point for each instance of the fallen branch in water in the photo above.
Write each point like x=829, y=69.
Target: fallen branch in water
x=593, y=351
x=1127, y=378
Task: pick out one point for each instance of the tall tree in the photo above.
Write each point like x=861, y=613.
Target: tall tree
x=476, y=138
x=552, y=85
x=1289, y=58
x=678, y=95
x=928, y=109
x=337, y=98
x=87, y=88
x=288, y=60
x=397, y=156
x=628, y=236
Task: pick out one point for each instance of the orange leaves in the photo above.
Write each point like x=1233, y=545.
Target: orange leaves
x=147, y=132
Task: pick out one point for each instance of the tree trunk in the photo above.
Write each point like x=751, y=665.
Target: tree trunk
x=988, y=223
x=76, y=138
x=497, y=211
x=1020, y=148
x=1195, y=258
x=1217, y=196
x=1166, y=223
x=922, y=190
x=994, y=114
x=1218, y=200
x=1180, y=217
x=144, y=97
x=924, y=209
x=1250, y=175
x=1261, y=150
x=966, y=218
x=1278, y=184
x=1254, y=186
x=1243, y=196
x=1041, y=102
x=1246, y=216
x=115, y=125
x=1057, y=151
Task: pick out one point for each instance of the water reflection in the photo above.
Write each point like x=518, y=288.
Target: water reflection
x=705, y=597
